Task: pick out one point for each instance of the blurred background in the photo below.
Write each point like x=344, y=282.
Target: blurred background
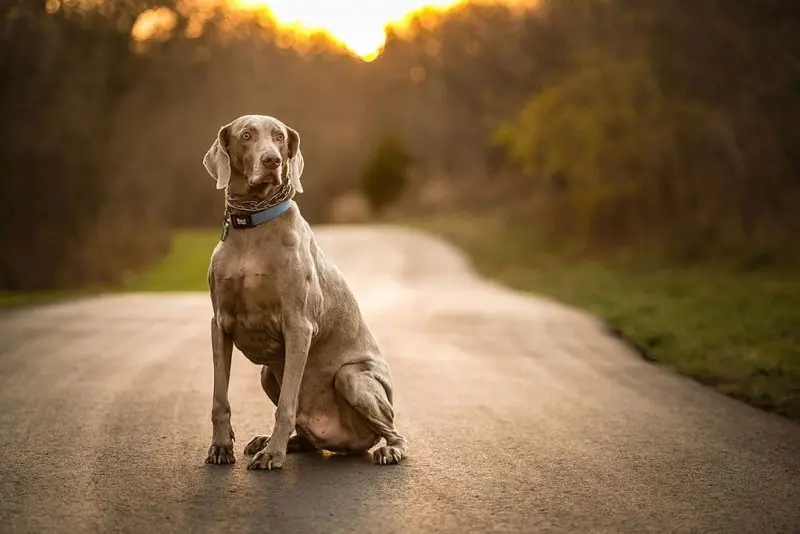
x=636, y=158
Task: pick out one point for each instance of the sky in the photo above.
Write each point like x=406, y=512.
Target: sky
x=358, y=24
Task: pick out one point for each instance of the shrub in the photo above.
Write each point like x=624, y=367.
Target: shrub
x=385, y=173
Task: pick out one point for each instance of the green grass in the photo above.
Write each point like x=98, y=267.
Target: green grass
x=15, y=300
x=183, y=269
x=736, y=331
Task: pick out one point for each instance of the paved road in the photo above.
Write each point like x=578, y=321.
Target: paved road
x=523, y=416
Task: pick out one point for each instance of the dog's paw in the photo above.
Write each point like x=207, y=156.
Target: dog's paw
x=266, y=459
x=220, y=455
x=256, y=444
x=387, y=455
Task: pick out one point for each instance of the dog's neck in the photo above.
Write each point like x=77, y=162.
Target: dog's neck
x=254, y=202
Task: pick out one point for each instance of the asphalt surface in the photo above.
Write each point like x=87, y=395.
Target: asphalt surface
x=522, y=416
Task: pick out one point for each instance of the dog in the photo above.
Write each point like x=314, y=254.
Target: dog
x=279, y=300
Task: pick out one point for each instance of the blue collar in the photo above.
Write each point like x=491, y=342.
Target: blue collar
x=249, y=220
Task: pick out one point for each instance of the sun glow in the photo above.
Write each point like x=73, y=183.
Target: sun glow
x=358, y=24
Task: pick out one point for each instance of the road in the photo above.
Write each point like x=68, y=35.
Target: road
x=522, y=415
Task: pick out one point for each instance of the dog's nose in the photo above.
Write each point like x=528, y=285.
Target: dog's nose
x=271, y=162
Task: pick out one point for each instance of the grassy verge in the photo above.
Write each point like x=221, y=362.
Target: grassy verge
x=183, y=269
x=15, y=300
x=736, y=331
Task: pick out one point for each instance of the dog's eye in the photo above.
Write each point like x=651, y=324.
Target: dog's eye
x=246, y=136
x=279, y=136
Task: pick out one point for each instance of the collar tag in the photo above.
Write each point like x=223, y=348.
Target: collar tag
x=241, y=221
x=251, y=220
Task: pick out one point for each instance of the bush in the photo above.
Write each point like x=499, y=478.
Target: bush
x=385, y=174
x=631, y=158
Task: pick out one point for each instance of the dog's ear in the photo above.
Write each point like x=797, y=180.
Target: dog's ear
x=296, y=170
x=217, y=161
x=296, y=163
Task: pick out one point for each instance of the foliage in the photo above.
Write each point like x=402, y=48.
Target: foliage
x=660, y=124
x=385, y=173
x=103, y=135
x=629, y=124
x=183, y=268
x=626, y=153
x=65, y=219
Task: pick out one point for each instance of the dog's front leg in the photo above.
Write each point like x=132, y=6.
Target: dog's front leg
x=221, y=450
x=297, y=337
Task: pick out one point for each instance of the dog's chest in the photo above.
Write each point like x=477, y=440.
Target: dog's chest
x=248, y=307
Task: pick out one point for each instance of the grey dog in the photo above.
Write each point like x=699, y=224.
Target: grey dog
x=288, y=308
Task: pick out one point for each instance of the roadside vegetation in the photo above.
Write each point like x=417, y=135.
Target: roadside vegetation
x=184, y=268
x=727, y=324
x=385, y=174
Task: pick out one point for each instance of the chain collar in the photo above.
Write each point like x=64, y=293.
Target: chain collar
x=250, y=206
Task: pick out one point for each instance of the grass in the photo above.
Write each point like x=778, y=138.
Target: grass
x=736, y=331
x=15, y=300
x=183, y=269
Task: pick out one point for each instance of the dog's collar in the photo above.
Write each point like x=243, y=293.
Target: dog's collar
x=249, y=220
x=285, y=192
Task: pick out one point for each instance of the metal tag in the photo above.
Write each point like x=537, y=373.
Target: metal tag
x=225, y=228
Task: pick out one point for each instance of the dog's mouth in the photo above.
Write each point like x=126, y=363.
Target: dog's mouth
x=264, y=178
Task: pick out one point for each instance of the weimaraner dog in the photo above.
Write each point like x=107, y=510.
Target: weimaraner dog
x=288, y=308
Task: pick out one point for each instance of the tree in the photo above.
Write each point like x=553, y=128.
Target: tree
x=385, y=174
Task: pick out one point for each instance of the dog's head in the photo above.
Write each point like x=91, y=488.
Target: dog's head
x=255, y=154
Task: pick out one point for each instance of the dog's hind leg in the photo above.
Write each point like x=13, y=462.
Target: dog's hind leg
x=270, y=384
x=272, y=388
x=367, y=388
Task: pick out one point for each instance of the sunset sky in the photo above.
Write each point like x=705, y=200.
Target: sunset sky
x=359, y=24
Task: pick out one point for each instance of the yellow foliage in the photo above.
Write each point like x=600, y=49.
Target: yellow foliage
x=630, y=156
x=606, y=119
